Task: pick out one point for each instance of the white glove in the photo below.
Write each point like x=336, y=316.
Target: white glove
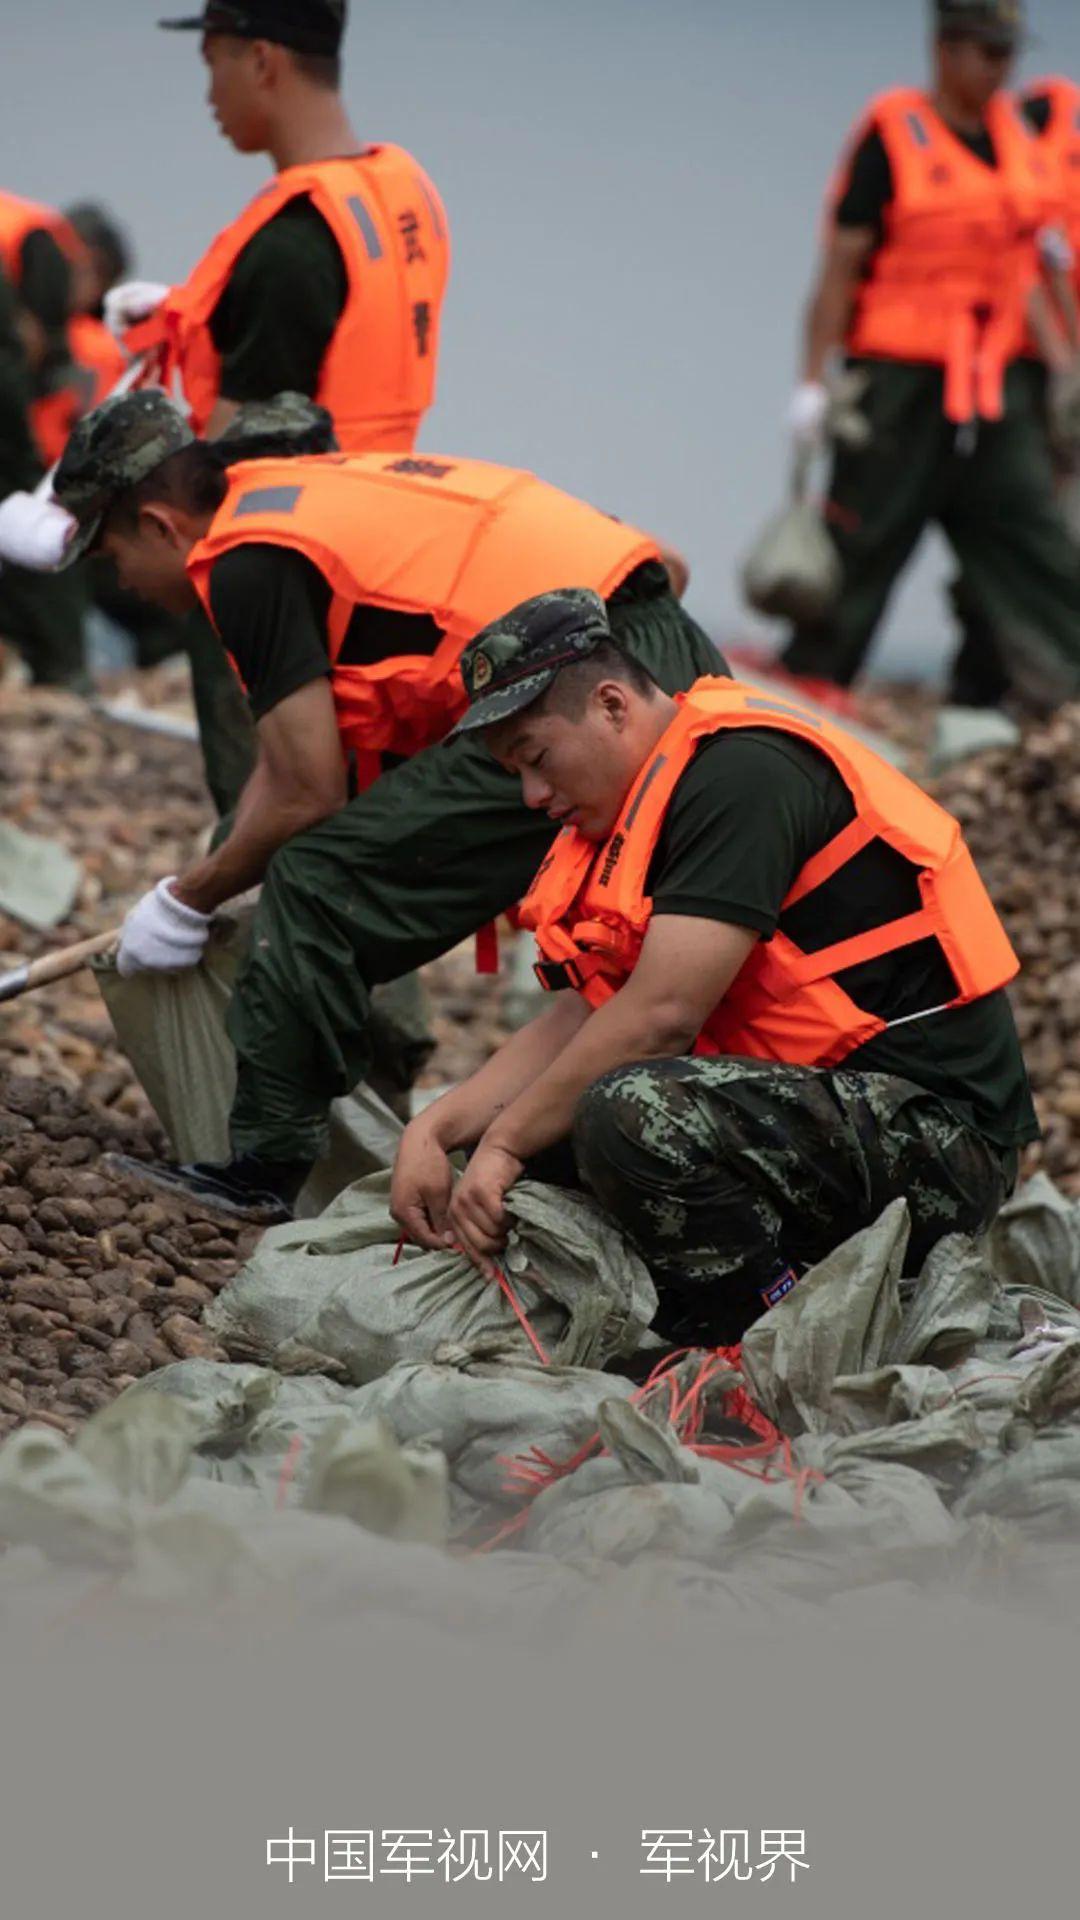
x=161, y=935
x=33, y=532
x=134, y=300
x=1056, y=249
x=807, y=413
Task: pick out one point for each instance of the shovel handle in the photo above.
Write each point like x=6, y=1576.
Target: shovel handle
x=55, y=966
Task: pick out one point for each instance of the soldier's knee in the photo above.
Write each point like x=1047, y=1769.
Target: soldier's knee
x=631, y=1123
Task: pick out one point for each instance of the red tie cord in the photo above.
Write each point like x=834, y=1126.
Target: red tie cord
x=530, y=1473
x=288, y=1470
x=511, y=1296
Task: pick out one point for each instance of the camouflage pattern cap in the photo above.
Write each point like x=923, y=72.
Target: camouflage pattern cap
x=290, y=423
x=517, y=658
x=118, y=445
x=307, y=26
x=999, y=23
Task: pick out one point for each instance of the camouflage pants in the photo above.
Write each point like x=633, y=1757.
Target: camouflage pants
x=722, y=1172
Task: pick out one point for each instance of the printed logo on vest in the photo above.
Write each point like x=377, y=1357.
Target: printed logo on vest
x=421, y=319
x=425, y=469
x=611, y=860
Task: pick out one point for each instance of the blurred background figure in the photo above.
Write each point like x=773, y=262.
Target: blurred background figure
x=1051, y=108
x=41, y=615
x=929, y=280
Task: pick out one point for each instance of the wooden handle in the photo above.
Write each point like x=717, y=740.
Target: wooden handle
x=55, y=966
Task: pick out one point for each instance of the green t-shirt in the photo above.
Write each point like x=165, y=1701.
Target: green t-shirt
x=748, y=813
x=281, y=308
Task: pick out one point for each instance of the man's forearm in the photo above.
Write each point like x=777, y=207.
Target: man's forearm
x=464, y=1115
x=826, y=325
x=263, y=824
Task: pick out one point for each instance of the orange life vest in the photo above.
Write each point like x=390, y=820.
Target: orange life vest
x=951, y=282
x=459, y=540
x=378, y=376
x=20, y=218
x=98, y=363
x=590, y=907
x=1060, y=144
x=52, y=415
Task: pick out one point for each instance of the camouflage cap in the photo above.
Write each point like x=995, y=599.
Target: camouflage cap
x=290, y=423
x=998, y=23
x=517, y=658
x=119, y=444
x=307, y=26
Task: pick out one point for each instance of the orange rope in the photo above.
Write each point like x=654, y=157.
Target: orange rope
x=288, y=1470
x=509, y=1294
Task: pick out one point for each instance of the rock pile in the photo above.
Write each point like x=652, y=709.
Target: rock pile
x=100, y=1281
x=1021, y=814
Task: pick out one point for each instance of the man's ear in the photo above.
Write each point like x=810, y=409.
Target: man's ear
x=613, y=701
x=158, y=521
x=268, y=62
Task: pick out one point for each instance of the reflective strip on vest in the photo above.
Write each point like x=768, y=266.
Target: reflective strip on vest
x=267, y=500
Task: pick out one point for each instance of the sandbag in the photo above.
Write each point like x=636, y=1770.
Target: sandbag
x=1035, y=1241
x=121, y=1504
x=1038, y=1486
x=39, y=879
x=486, y=1415
x=332, y=1295
x=171, y=1026
x=793, y=571
x=646, y=1496
x=839, y=1320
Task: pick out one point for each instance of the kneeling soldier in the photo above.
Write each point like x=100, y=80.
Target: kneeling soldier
x=783, y=986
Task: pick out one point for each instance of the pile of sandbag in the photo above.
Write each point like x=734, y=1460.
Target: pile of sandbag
x=1020, y=811
x=392, y=1436
x=342, y=1295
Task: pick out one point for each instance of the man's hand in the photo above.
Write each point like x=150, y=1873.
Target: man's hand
x=421, y=1187
x=135, y=300
x=477, y=1214
x=33, y=532
x=161, y=934
x=808, y=413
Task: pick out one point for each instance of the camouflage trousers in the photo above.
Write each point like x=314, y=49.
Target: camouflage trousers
x=722, y=1173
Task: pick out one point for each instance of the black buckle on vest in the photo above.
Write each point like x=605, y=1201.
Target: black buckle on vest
x=556, y=975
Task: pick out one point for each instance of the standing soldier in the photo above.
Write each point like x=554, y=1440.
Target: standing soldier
x=1051, y=108
x=931, y=262
x=329, y=284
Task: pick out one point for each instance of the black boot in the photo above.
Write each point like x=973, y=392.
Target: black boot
x=247, y=1188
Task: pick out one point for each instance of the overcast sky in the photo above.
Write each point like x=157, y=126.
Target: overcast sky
x=634, y=188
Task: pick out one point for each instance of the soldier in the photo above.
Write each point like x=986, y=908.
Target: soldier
x=42, y=616
x=788, y=1003
x=1051, y=107
x=929, y=268
x=329, y=284
x=344, y=590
